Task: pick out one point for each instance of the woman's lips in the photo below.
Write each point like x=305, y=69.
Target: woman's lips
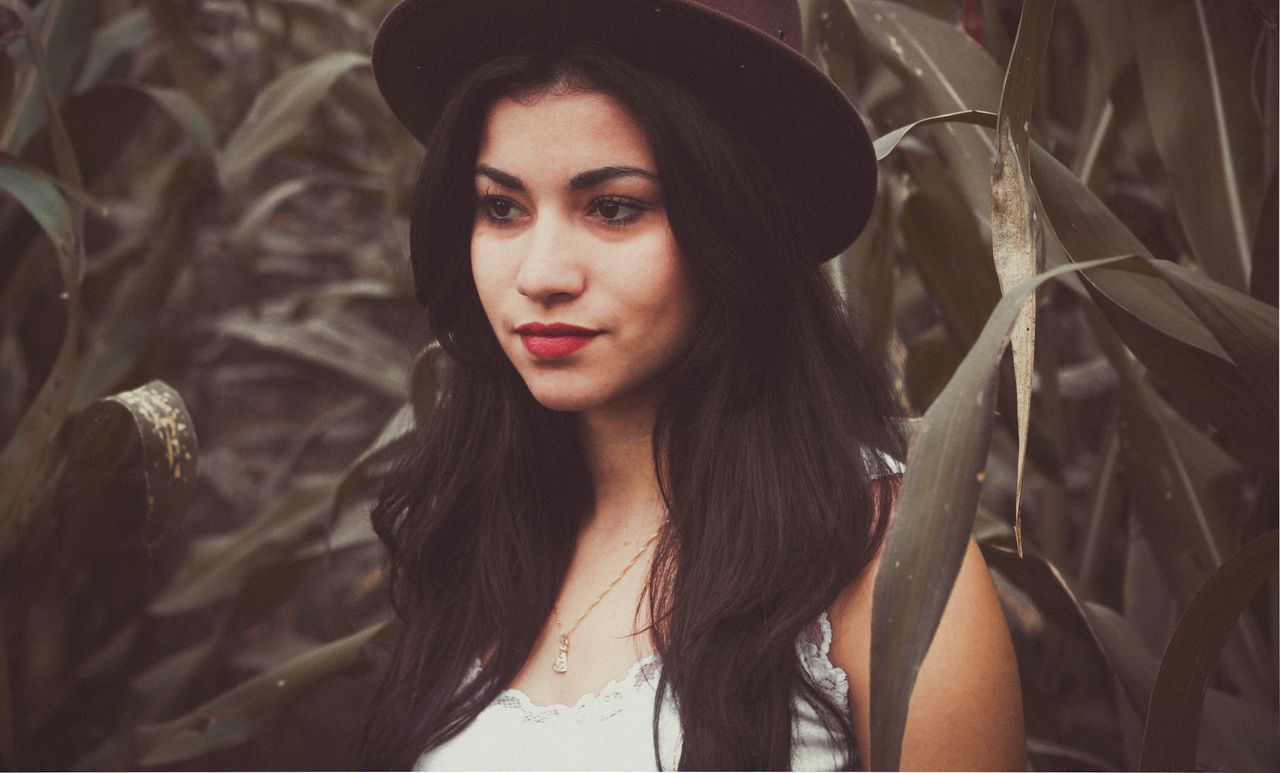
x=551, y=342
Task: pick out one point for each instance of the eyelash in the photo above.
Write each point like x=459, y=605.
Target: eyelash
x=486, y=201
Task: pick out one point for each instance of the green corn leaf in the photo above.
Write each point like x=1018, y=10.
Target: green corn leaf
x=59, y=43
x=1197, y=61
x=363, y=472
x=935, y=515
x=39, y=195
x=241, y=712
x=280, y=112
x=132, y=322
x=218, y=565
x=1236, y=735
x=885, y=144
x=7, y=709
x=945, y=243
x=112, y=46
x=1154, y=322
x=1245, y=327
x=26, y=460
x=945, y=72
x=1110, y=49
x=1264, y=284
x=1173, y=723
x=8, y=76
x=339, y=341
x=173, y=22
x=186, y=112
x=158, y=685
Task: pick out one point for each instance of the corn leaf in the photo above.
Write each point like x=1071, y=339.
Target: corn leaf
x=1246, y=327
x=7, y=84
x=99, y=123
x=39, y=195
x=186, y=112
x=247, y=708
x=218, y=565
x=172, y=20
x=1197, y=60
x=945, y=243
x=1157, y=324
x=935, y=515
x=1107, y=28
x=1235, y=735
x=1187, y=539
x=280, y=112
x=368, y=466
x=26, y=459
x=1173, y=723
x=1264, y=279
x=58, y=47
x=945, y=72
x=132, y=322
x=158, y=685
x=112, y=46
x=167, y=437
x=1016, y=240
x=7, y=713
x=886, y=143
x=1154, y=322
x=339, y=342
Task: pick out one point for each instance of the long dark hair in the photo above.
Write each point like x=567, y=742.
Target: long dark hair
x=767, y=440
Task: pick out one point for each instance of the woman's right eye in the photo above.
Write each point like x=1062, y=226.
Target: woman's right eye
x=498, y=209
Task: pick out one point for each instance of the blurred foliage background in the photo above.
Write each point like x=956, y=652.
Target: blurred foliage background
x=203, y=235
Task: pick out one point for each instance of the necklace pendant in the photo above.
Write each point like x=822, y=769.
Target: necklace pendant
x=562, y=657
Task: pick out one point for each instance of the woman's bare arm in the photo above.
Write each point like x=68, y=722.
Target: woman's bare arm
x=966, y=710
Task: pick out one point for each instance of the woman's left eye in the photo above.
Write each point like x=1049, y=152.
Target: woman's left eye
x=615, y=211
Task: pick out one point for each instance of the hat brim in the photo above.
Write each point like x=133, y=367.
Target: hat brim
x=812, y=139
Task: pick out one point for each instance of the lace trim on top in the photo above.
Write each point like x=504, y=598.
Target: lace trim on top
x=813, y=646
x=596, y=705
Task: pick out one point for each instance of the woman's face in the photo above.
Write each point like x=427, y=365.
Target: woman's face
x=572, y=255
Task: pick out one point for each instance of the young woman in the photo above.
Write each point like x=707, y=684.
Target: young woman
x=640, y=529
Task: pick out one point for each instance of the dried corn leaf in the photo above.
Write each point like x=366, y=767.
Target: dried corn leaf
x=1016, y=241
x=162, y=426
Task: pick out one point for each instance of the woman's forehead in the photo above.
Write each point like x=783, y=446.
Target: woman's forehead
x=562, y=131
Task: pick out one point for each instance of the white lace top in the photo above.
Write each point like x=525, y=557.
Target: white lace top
x=612, y=729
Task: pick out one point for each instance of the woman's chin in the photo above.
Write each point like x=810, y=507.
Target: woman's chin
x=564, y=400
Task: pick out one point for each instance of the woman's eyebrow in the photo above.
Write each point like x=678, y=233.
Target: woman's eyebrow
x=594, y=177
x=500, y=177
x=580, y=181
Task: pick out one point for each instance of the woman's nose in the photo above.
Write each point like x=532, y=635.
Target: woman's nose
x=550, y=271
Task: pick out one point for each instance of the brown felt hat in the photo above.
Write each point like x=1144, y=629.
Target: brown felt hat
x=741, y=56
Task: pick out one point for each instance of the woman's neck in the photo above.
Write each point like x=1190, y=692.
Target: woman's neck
x=618, y=441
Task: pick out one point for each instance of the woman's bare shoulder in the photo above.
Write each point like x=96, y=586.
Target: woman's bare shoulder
x=969, y=666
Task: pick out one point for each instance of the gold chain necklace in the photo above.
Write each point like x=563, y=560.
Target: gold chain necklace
x=561, y=664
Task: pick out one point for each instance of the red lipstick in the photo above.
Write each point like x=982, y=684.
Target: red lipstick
x=551, y=342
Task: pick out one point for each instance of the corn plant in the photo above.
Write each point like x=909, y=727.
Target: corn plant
x=202, y=234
